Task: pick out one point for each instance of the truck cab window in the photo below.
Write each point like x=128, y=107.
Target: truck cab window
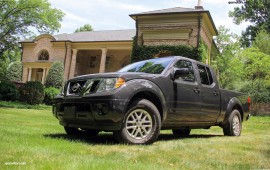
x=186, y=64
x=209, y=75
x=205, y=75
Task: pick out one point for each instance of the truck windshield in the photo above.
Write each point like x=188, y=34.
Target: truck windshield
x=153, y=66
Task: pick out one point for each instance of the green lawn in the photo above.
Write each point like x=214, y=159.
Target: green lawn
x=34, y=139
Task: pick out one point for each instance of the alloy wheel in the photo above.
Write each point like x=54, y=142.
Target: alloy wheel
x=139, y=124
x=236, y=125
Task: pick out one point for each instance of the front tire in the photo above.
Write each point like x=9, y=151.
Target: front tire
x=234, y=124
x=141, y=124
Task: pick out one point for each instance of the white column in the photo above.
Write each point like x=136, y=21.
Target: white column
x=73, y=63
x=43, y=75
x=103, y=60
x=46, y=73
x=29, y=74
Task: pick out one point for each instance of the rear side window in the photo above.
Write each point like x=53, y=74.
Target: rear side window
x=186, y=64
x=209, y=75
x=205, y=75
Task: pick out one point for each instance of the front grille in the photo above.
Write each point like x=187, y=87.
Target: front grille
x=82, y=86
x=74, y=88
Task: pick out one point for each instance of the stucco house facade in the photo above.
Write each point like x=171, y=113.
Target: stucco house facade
x=107, y=51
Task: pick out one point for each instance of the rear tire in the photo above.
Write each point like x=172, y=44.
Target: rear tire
x=234, y=124
x=181, y=132
x=141, y=124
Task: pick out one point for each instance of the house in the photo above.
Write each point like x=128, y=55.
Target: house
x=107, y=51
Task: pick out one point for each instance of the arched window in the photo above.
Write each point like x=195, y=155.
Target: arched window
x=43, y=55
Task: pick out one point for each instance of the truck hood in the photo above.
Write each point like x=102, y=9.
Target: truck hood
x=126, y=75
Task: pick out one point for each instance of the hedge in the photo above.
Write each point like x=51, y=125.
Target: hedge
x=140, y=53
x=8, y=91
x=32, y=92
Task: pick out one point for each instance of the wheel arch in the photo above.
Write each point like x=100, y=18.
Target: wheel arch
x=152, y=97
x=240, y=109
x=234, y=104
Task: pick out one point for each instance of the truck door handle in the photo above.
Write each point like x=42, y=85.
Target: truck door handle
x=215, y=93
x=196, y=90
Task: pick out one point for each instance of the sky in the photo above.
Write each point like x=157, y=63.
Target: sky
x=114, y=14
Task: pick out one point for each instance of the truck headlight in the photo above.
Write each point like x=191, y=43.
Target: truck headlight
x=109, y=84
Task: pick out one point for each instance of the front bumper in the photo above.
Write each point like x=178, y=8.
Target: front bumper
x=102, y=113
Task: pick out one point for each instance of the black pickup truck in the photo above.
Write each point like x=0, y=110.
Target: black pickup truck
x=143, y=98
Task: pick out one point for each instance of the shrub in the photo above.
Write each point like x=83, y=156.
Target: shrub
x=8, y=91
x=55, y=77
x=50, y=93
x=14, y=72
x=32, y=92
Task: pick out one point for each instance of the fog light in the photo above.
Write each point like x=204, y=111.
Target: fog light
x=102, y=109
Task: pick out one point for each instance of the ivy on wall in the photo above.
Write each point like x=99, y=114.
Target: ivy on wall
x=140, y=53
x=204, y=51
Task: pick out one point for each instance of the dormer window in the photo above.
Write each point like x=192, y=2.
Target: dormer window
x=43, y=55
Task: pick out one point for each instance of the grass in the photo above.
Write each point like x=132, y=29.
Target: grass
x=36, y=140
x=20, y=105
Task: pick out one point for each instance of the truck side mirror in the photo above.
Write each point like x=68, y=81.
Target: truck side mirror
x=181, y=72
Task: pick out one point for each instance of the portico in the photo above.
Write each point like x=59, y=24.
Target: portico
x=90, y=58
x=36, y=71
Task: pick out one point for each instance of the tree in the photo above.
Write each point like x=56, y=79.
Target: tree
x=9, y=56
x=227, y=63
x=14, y=72
x=85, y=28
x=262, y=41
x=256, y=66
x=257, y=75
x=16, y=16
x=257, y=13
x=55, y=77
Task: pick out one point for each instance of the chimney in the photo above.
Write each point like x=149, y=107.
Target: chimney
x=199, y=6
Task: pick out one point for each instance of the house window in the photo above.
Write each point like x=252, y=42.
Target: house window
x=172, y=34
x=92, y=61
x=43, y=55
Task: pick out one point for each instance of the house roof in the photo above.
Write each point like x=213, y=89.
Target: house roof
x=94, y=36
x=177, y=10
x=169, y=10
